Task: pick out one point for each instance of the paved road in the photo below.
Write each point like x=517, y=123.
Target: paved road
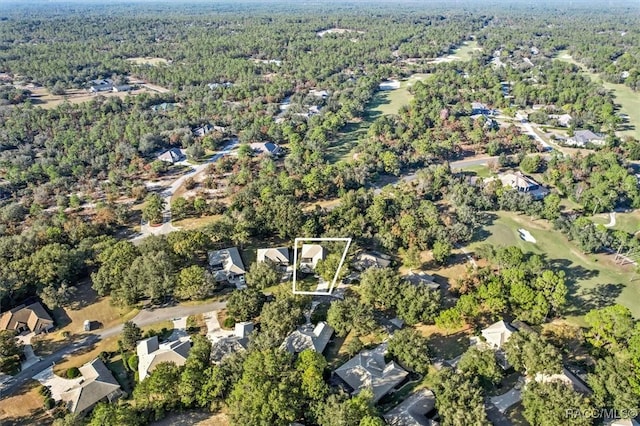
x=147, y=317
x=144, y=318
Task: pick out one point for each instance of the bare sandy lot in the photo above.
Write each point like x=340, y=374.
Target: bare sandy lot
x=149, y=61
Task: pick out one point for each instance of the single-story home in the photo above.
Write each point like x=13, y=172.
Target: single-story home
x=225, y=85
x=563, y=120
x=151, y=353
x=102, y=85
x=308, y=337
x=310, y=255
x=22, y=318
x=581, y=138
x=566, y=377
x=479, y=108
x=497, y=334
x=416, y=410
x=278, y=256
x=165, y=106
x=227, y=265
x=368, y=370
x=237, y=342
x=371, y=259
x=522, y=183
x=122, y=88
x=98, y=384
x=202, y=130
x=422, y=278
x=172, y=156
x=319, y=93
x=268, y=148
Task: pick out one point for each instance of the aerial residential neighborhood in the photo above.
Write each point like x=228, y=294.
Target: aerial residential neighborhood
x=359, y=213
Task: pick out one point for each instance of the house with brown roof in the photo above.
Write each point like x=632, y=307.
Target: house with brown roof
x=151, y=353
x=22, y=318
x=98, y=384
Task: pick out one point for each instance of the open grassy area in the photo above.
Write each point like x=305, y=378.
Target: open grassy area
x=25, y=407
x=148, y=61
x=196, y=222
x=627, y=99
x=465, y=51
x=43, y=98
x=594, y=281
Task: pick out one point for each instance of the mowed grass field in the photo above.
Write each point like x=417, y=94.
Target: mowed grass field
x=628, y=101
x=594, y=280
x=43, y=98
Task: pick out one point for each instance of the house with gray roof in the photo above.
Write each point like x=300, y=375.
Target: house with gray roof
x=581, y=138
x=226, y=265
x=422, y=278
x=368, y=370
x=479, y=108
x=308, y=337
x=172, y=156
x=371, y=259
x=237, y=342
x=98, y=384
x=566, y=377
x=525, y=184
x=151, y=353
x=268, y=148
x=417, y=410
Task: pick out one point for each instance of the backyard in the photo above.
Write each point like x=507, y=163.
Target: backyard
x=594, y=281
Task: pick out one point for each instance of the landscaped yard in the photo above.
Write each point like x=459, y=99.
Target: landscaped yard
x=594, y=280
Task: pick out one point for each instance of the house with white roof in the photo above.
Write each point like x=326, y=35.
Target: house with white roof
x=416, y=410
x=237, y=342
x=226, y=265
x=308, y=337
x=98, y=384
x=310, y=255
x=368, y=370
x=497, y=334
x=151, y=353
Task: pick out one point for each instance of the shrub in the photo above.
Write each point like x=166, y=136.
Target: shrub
x=133, y=362
x=229, y=322
x=49, y=403
x=73, y=372
x=44, y=391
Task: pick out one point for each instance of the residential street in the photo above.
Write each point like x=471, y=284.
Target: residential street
x=144, y=318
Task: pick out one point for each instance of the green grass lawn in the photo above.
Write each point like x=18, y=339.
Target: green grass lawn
x=594, y=280
x=628, y=101
x=628, y=222
x=465, y=51
x=479, y=170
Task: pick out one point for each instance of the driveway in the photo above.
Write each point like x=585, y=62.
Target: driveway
x=214, y=331
x=506, y=400
x=56, y=384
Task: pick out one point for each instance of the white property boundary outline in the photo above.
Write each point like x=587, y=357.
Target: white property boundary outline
x=335, y=277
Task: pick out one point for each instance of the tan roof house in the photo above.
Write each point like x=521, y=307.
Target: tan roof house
x=369, y=370
x=21, y=318
x=151, y=353
x=98, y=384
x=308, y=337
x=278, y=255
x=310, y=254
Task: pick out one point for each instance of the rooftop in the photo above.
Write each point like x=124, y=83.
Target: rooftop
x=308, y=337
x=413, y=411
